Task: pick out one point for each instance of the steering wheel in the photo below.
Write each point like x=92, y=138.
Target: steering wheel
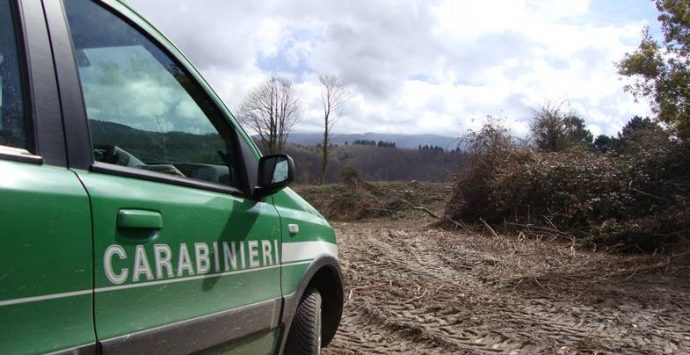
x=105, y=153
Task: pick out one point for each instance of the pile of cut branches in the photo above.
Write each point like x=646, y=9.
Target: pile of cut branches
x=634, y=202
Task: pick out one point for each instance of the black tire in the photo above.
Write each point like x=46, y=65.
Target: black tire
x=305, y=332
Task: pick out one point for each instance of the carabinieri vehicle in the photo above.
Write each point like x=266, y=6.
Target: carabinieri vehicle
x=136, y=216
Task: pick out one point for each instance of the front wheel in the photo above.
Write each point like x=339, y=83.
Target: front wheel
x=305, y=332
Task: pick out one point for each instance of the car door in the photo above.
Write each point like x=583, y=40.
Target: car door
x=46, y=279
x=183, y=259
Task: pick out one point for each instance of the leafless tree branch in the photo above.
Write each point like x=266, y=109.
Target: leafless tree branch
x=271, y=110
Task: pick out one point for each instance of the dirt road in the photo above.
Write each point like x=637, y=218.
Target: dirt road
x=415, y=289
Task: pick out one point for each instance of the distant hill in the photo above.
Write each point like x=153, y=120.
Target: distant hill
x=409, y=141
x=372, y=162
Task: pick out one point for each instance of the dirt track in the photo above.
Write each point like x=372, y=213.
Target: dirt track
x=411, y=288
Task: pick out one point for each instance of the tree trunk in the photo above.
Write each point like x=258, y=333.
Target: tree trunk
x=324, y=153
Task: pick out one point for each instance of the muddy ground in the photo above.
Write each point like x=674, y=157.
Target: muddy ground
x=414, y=288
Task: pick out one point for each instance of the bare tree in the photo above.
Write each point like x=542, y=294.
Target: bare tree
x=271, y=110
x=333, y=97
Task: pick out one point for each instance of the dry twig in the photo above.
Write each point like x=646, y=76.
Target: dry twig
x=420, y=208
x=446, y=218
x=416, y=298
x=493, y=232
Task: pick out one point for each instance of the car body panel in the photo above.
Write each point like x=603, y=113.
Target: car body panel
x=160, y=294
x=316, y=238
x=45, y=260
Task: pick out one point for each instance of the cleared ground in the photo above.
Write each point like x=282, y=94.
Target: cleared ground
x=413, y=288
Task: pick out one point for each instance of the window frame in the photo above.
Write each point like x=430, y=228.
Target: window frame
x=79, y=134
x=28, y=153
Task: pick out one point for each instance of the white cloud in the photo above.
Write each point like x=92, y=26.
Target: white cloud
x=416, y=66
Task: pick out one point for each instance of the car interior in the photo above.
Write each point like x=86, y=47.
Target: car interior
x=219, y=174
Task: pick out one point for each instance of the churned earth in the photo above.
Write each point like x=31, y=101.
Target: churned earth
x=412, y=288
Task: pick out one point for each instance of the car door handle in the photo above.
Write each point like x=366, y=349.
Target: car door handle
x=139, y=219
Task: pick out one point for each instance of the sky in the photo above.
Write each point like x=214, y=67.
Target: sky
x=413, y=66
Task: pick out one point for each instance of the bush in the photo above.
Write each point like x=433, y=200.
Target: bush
x=554, y=130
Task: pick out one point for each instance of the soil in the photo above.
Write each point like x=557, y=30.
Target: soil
x=413, y=288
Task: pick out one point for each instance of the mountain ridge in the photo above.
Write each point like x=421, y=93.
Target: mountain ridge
x=408, y=141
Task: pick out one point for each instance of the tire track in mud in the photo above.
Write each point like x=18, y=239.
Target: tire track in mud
x=416, y=290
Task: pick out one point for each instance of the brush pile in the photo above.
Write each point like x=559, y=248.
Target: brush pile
x=634, y=202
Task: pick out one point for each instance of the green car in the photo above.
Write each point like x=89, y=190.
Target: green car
x=136, y=216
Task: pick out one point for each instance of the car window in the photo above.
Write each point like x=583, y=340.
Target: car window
x=144, y=110
x=12, y=115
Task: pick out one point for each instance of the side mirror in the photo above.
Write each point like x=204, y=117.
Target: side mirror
x=275, y=172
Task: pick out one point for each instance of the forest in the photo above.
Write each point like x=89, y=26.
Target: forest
x=377, y=161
